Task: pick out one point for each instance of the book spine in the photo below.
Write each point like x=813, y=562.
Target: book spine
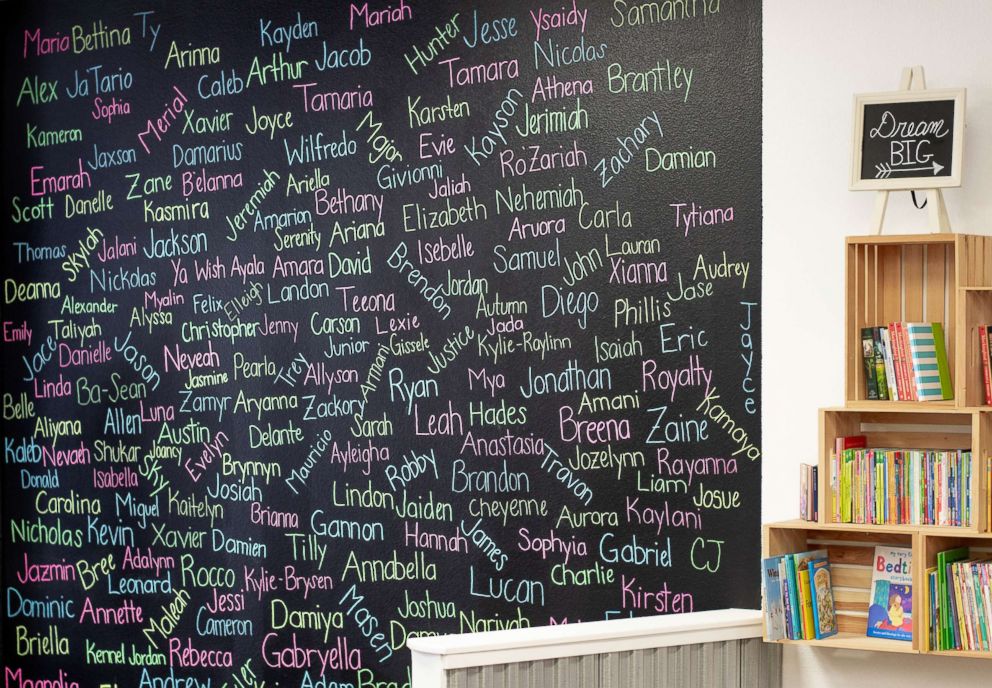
x=943, y=369
x=790, y=566
x=868, y=359
x=906, y=362
x=890, y=371
x=783, y=576
x=881, y=382
x=983, y=340
x=806, y=604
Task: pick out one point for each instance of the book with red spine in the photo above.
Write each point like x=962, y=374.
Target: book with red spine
x=983, y=338
x=909, y=376
x=895, y=340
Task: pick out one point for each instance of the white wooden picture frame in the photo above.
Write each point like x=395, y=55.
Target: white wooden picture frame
x=861, y=100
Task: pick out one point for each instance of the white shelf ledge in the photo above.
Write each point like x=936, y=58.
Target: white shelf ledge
x=432, y=656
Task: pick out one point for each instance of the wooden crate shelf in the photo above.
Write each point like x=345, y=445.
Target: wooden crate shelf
x=980, y=546
x=850, y=549
x=915, y=278
x=944, y=278
x=975, y=309
x=893, y=425
x=850, y=554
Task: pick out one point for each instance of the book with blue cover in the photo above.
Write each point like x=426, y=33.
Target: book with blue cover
x=774, y=608
x=822, y=588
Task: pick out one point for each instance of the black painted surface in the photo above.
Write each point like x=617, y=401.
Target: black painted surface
x=616, y=242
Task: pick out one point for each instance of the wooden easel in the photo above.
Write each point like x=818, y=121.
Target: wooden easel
x=914, y=80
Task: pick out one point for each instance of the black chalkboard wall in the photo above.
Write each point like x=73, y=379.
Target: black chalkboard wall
x=330, y=324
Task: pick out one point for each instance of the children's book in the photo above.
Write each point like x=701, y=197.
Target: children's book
x=806, y=604
x=795, y=563
x=783, y=578
x=947, y=635
x=824, y=612
x=774, y=611
x=890, y=614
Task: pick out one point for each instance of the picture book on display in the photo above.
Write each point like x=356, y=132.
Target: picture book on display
x=890, y=614
x=774, y=608
x=798, y=594
x=824, y=613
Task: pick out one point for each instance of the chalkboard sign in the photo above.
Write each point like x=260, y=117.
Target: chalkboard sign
x=331, y=324
x=908, y=140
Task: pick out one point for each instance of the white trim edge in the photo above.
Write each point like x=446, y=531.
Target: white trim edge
x=432, y=656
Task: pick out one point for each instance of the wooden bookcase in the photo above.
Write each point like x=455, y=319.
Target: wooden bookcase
x=944, y=278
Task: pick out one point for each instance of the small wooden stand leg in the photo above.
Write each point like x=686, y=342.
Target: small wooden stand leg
x=937, y=210
x=878, y=215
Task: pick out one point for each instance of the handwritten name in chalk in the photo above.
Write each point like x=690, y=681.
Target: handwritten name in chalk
x=342, y=58
x=645, y=13
x=104, y=82
x=492, y=31
x=545, y=21
x=161, y=125
x=251, y=206
x=36, y=44
x=43, y=185
x=38, y=91
x=662, y=78
x=371, y=18
x=283, y=36
x=698, y=216
x=534, y=158
x=422, y=115
x=629, y=146
x=316, y=101
x=189, y=56
x=555, y=55
x=271, y=123
x=444, y=34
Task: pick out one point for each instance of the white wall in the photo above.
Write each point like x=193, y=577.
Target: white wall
x=816, y=56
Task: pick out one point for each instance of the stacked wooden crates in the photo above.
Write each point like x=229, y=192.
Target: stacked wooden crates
x=944, y=278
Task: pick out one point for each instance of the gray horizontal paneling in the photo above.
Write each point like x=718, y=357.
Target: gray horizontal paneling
x=731, y=664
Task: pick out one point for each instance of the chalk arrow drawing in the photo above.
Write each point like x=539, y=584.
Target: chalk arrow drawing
x=885, y=170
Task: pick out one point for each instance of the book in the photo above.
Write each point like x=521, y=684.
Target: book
x=804, y=491
x=774, y=610
x=868, y=358
x=983, y=347
x=924, y=354
x=806, y=604
x=904, y=487
x=783, y=578
x=943, y=369
x=890, y=613
x=842, y=444
x=905, y=363
x=808, y=492
x=792, y=583
x=933, y=607
x=881, y=382
x=946, y=632
x=988, y=341
x=890, y=369
x=824, y=610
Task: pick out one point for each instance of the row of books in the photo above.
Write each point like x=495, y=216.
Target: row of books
x=809, y=492
x=799, y=599
x=960, y=602
x=900, y=486
x=906, y=362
